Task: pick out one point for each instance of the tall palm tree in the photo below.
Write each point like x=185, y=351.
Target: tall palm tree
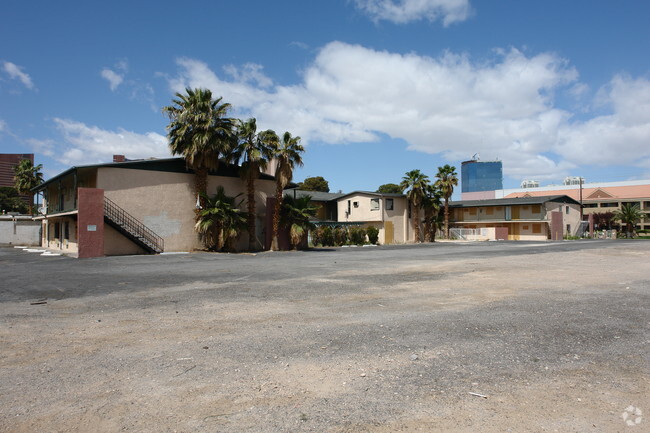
x=220, y=221
x=629, y=215
x=447, y=179
x=199, y=131
x=415, y=184
x=287, y=154
x=254, y=151
x=296, y=214
x=431, y=204
x=27, y=176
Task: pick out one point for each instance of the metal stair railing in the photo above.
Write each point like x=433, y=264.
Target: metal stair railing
x=132, y=226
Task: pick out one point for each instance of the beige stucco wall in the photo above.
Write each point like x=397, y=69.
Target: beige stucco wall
x=165, y=201
x=572, y=217
x=51, y=241
x=115, y=244
x=402, y=225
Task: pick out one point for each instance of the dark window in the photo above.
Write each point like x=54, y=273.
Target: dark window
x=612, y=204
x=389, y=204
x=57, y=231
x=66, y=230
x=374, y=204
x=567, y=210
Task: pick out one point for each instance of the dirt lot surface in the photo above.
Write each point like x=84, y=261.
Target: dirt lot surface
x=386, y=339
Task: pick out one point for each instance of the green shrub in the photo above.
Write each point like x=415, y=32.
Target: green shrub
x=317, y=236
x=327, y=237
x=340, y=236
x=357, y=235
x=373, y=234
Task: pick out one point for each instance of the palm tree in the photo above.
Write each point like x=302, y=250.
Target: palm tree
x=254, y=150
x=287, y=154
x=415, y=184
x=431, y=204
x=629, y=214
x=447, y=179
x=296, y=214
x=199, y=131
x=220, y=221
x=27, y=176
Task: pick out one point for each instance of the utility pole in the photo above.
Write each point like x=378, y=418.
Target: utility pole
x=581, y=213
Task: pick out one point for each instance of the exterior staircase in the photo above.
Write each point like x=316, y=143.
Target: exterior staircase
x=133, y=229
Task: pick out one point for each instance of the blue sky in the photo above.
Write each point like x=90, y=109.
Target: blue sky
x=375, y=88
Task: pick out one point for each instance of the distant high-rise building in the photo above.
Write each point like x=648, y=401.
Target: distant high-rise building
x=530, y=184
x=573, y=180
x=7, y=163
x=478, y=176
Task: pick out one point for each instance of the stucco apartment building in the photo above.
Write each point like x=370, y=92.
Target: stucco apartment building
x=525, y=218
x=134, y=207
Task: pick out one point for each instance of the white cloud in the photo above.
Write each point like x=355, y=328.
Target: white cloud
x=404, y=11
x=620, y=137
x=115, y=76
x=3, y=125
x=114, y=79
x=15, y=72
x=249, y=73
x=447, y=105
x=90, y=144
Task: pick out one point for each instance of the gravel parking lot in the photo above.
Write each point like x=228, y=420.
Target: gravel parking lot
x=482, y=337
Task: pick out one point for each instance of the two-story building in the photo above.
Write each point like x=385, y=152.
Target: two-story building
x=524, y=218
x=390, y=213
x=135, y=207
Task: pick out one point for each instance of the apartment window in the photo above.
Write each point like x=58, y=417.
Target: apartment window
x=646, y=205
x=355, y=204
x=57, y=231
x=612, y=204
x=389, y=204
x=567, y=210
x=590, y=205
x=537, y=228
x=568, y=229
x=374, y=204
x=66, y=230
x=524, y=227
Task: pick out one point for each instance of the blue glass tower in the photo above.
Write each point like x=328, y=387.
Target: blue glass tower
x=481, y=176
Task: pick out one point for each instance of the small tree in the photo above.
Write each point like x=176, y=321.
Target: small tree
x=629, y=215
x=27, y=177
x=220, y=222
x=10, y=200
x=357, y=235
x=295, y=215
x=373, y=234
x=340, y=236
x=390, y=188
x=328, y=236
x=317, y=183
x=447, y=179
